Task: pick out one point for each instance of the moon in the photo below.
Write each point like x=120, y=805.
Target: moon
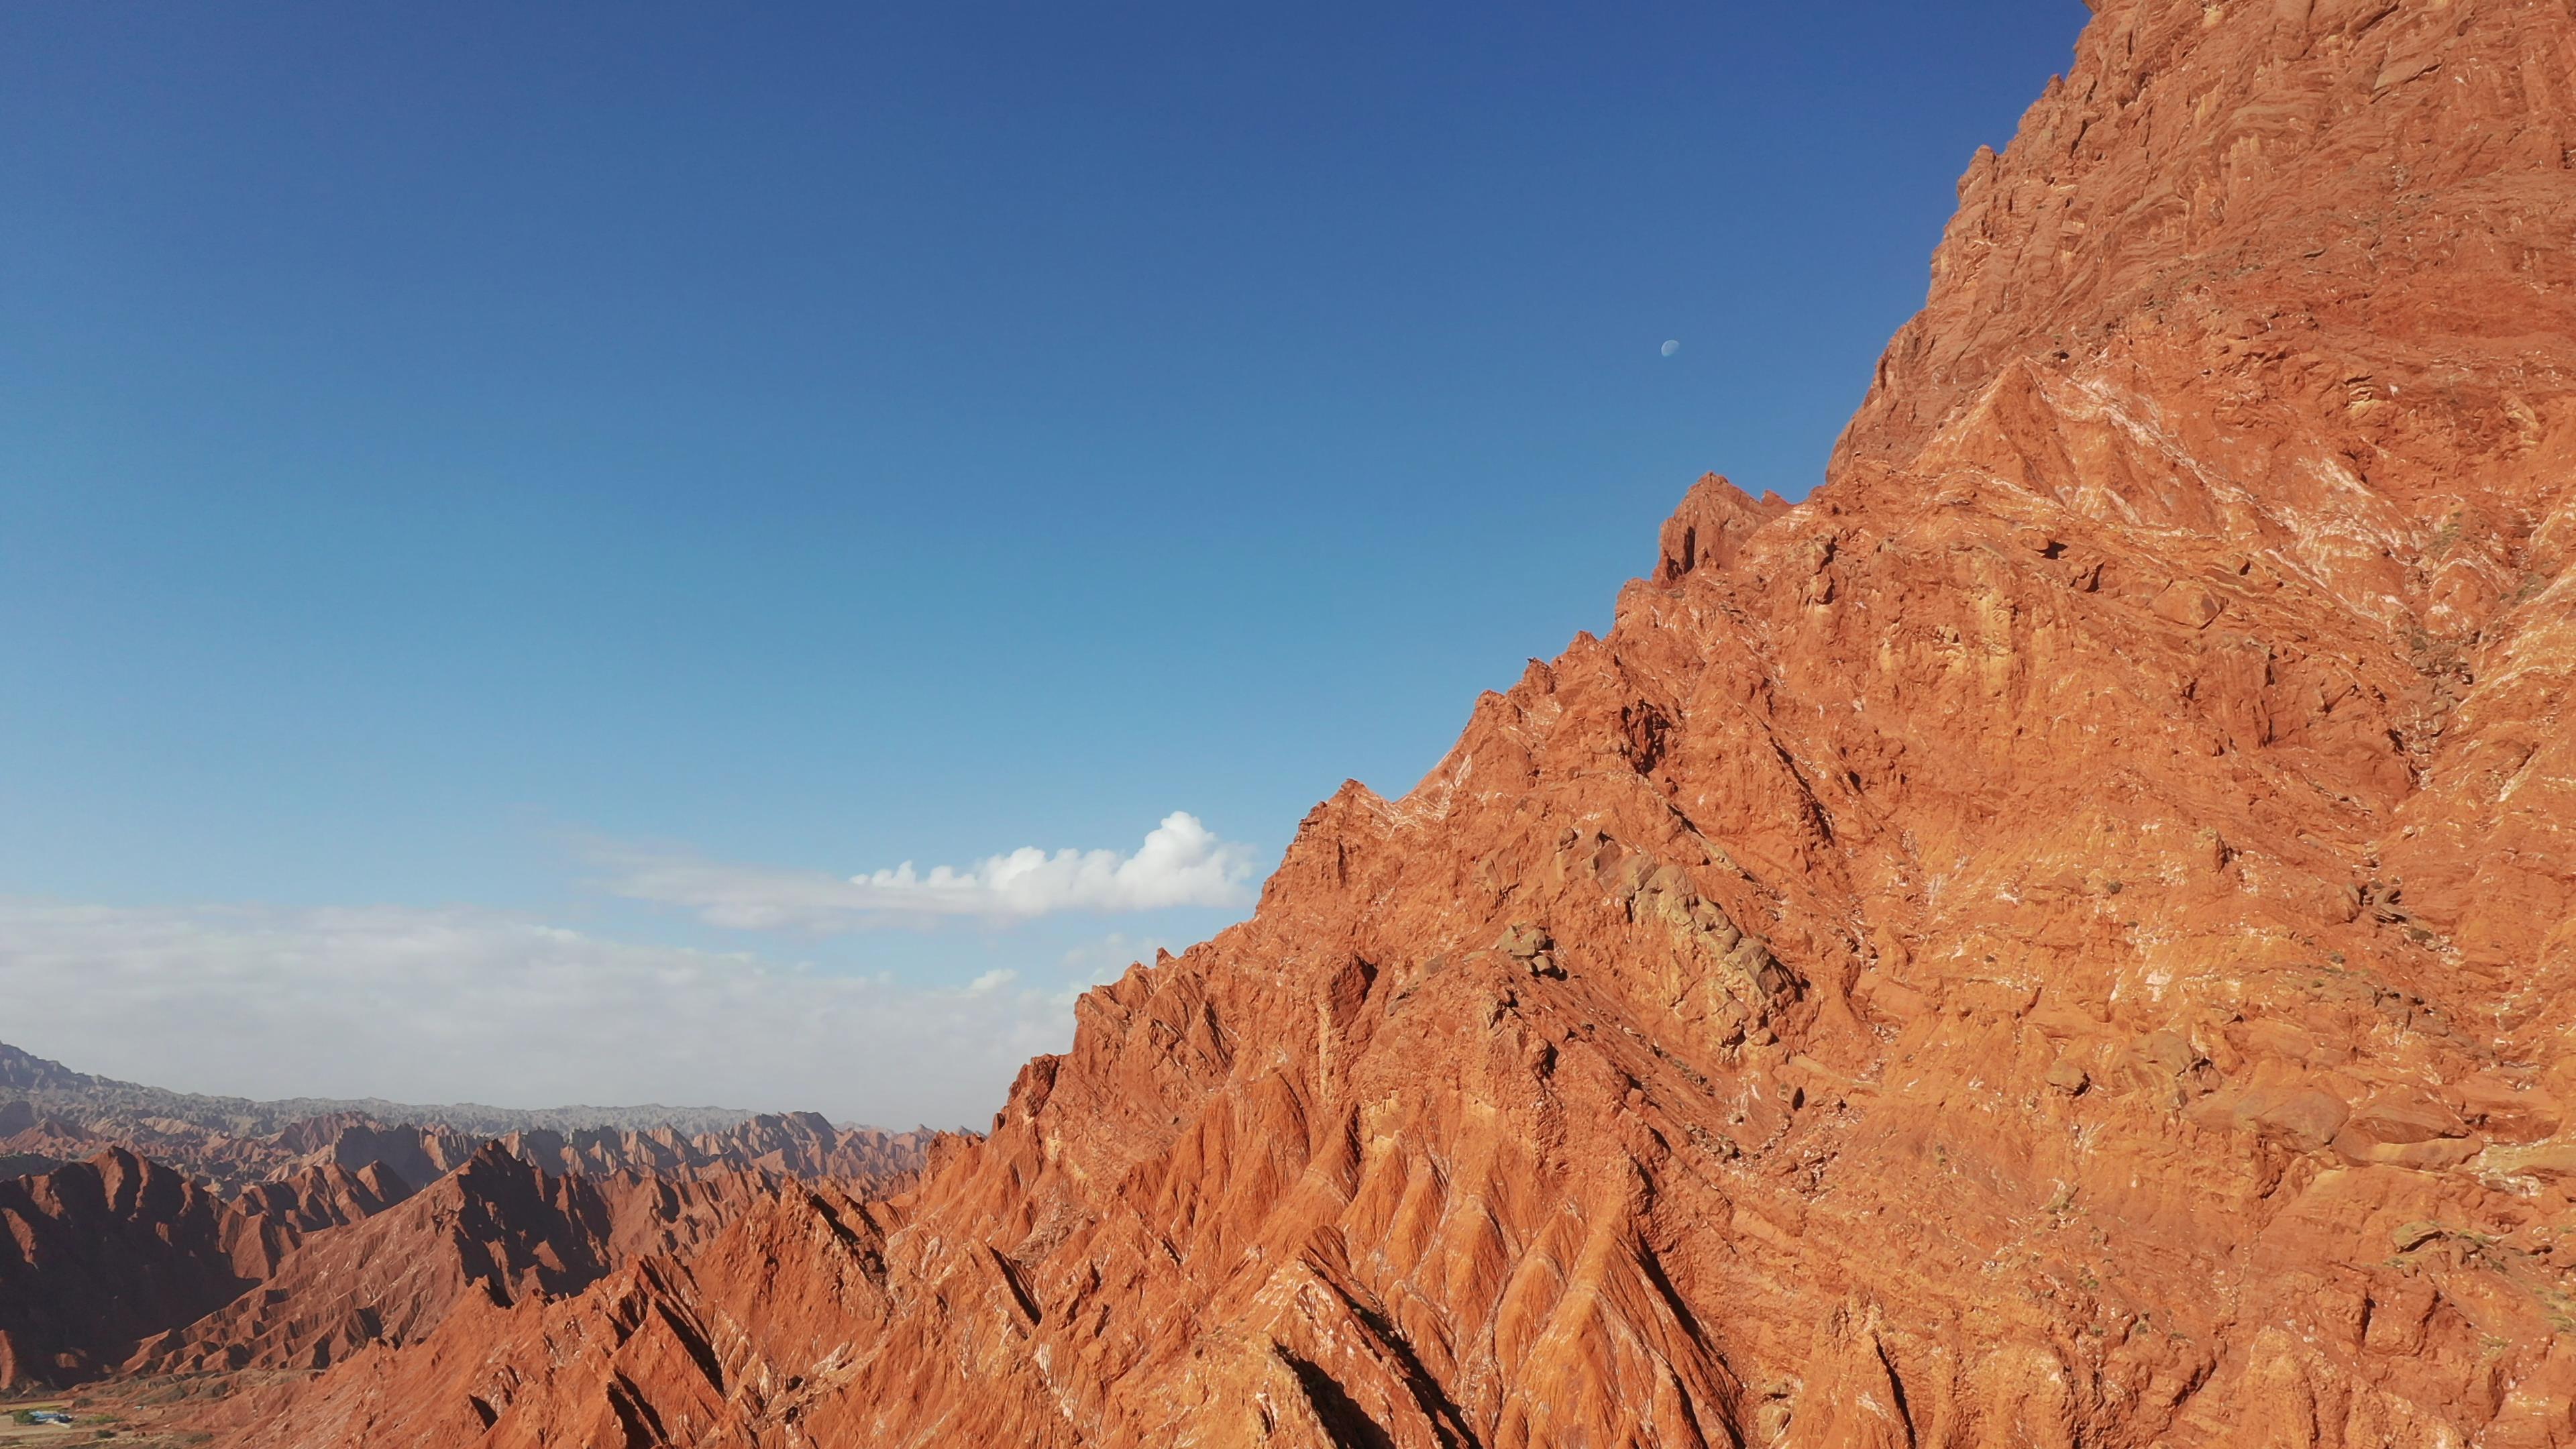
x=1672, y=347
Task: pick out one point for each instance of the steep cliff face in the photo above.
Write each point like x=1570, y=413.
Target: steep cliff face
x=2062, y=938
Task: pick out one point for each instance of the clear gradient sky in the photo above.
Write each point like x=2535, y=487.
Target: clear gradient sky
x=506, y=510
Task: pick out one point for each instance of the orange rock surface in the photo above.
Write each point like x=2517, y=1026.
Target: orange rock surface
x=2063, y=938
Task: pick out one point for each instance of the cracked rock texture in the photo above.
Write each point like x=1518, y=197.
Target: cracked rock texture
x=2063, y=938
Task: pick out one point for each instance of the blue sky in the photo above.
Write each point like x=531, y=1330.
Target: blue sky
x=486, y=476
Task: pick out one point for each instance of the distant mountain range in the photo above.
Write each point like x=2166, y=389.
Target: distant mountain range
x=51, y=1115
x=55, y=1090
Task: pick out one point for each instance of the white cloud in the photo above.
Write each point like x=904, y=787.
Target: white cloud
x=443, y=1005
x=1181, y=863
x=1106, y=958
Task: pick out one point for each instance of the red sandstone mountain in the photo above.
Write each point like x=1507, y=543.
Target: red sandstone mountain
x=2062, y=938
x=662, y=1352
x=125, y=1262
x=121, y=1258
x=326, y=1195
x=497, y=1231
x=97, y=1255
x=102, y=1255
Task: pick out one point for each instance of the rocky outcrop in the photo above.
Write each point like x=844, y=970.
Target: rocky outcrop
x=2062, y=938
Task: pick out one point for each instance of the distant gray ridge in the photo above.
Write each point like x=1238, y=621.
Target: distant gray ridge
x=53, y=1089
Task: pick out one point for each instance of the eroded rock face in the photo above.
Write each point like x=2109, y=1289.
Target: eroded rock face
x=2063, y=938
x=97, y=1255
x=801, y=1144
x=495, y=1231
x=756, y=1324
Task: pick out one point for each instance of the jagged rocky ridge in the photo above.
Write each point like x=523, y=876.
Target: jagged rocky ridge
x=123, y=1264
x=496, y=1230
x=174, y=1248
x=86, y=1120
x=2063, y=938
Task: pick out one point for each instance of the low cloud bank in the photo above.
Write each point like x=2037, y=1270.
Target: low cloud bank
x=443, y=1005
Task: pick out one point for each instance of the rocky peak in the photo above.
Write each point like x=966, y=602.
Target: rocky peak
x=2248, y=179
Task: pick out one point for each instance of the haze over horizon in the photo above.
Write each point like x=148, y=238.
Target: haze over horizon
x=641, y=555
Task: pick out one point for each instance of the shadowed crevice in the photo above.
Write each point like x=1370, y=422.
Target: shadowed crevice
x=1345, y=1422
